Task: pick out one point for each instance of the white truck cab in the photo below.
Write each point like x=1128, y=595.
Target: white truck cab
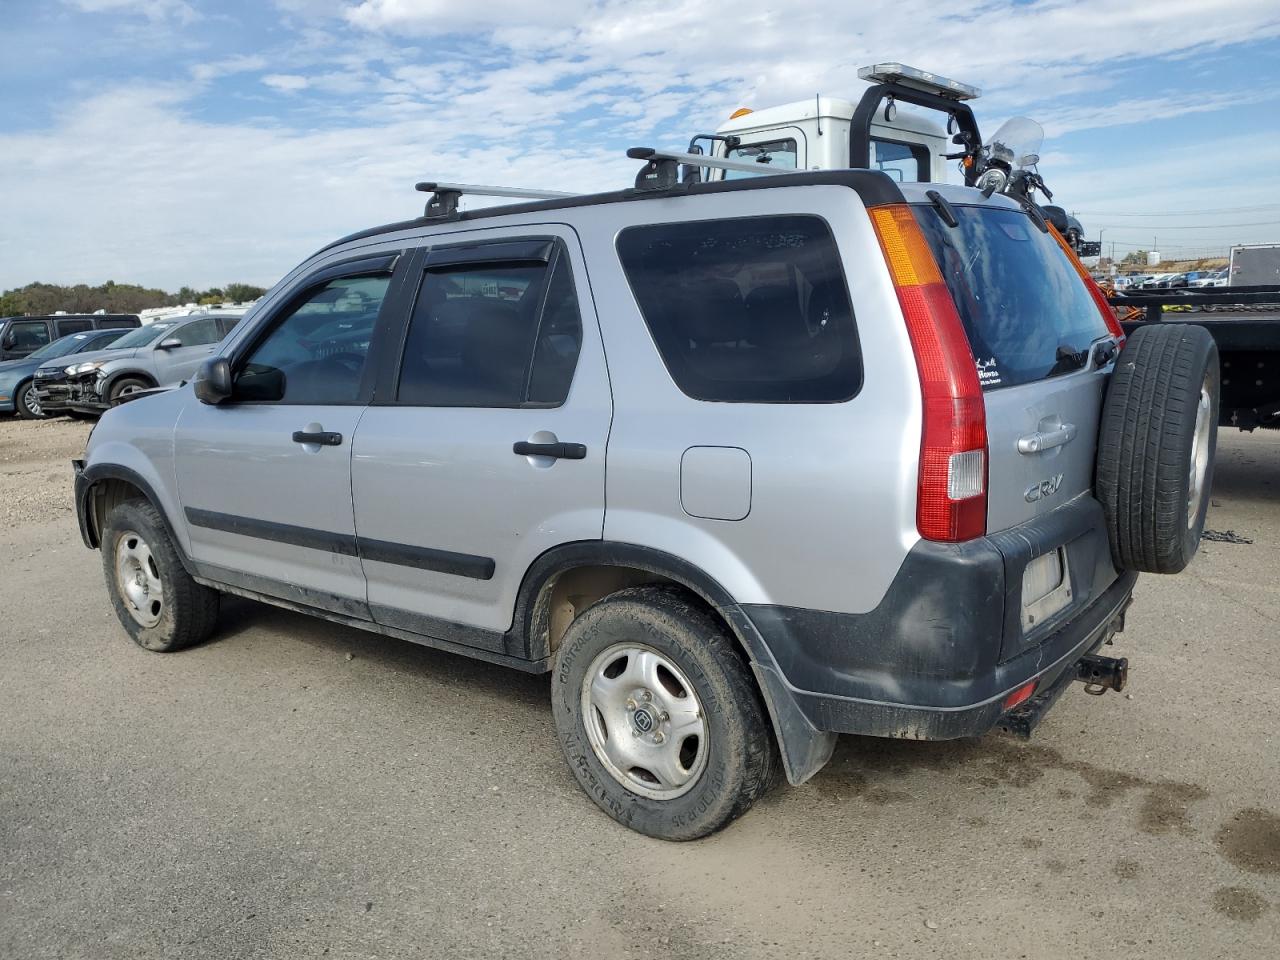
x=830, y=133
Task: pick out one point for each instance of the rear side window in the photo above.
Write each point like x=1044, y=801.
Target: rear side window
x=1027, y=314
x=492, y=335
x=751, y=310
x=73, y=326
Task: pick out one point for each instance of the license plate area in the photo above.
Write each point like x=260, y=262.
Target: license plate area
x=1046, y=588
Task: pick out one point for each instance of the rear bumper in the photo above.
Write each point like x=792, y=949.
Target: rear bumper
x=938, y=657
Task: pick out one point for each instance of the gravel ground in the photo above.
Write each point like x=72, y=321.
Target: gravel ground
x=299, y=789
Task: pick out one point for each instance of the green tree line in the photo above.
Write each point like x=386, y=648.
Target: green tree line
x=39, y=298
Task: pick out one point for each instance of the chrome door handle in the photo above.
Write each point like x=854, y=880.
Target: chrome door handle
x=1047, y=439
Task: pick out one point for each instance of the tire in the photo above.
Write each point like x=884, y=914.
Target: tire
x=1156, y=447
x=138, y=558
x=26, y=404
x=127, y=385
x=659, y=642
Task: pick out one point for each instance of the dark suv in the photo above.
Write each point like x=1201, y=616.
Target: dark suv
x=20, y=336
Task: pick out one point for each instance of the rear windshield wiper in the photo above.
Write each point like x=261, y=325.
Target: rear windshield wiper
x=1067, y=360
x=945, y=212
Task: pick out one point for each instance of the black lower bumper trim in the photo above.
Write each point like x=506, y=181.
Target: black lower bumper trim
x=1055, y=660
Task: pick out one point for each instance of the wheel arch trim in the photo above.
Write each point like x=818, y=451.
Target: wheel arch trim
x=804, y=748
x=89, y=479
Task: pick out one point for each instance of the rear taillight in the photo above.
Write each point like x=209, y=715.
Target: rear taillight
x=951, y=501
x=1095, y=291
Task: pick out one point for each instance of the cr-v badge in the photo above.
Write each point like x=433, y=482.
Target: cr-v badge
x=1045, y=488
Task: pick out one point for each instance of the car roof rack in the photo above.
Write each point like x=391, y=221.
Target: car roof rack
x=662, y=167
x=445, y=196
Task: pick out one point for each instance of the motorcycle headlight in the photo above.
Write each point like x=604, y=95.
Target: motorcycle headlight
x=994, y=178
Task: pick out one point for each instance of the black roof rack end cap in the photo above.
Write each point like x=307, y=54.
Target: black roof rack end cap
x=640, y=153
x=426, y=186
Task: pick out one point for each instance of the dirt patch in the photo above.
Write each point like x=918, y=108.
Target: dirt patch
x=1251, y=840
x=1238, y=903
x=1126, y=869
x=1165, y=807
x=34, y=493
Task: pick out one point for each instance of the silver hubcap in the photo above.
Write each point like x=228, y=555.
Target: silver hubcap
x=129, y=390
x=1199, y=456
x=138, y=579
x=31, y=402
x=644, y=721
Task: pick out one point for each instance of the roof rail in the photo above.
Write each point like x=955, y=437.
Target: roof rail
x=660, y=172
x=445, y=196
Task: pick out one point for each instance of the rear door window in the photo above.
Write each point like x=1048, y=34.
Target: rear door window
x=751, y=310
x=492, y=335
x=1027, y=313
x=73, y=326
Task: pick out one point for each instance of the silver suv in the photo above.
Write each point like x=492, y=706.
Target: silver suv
x=155, y=355
x=743, y=465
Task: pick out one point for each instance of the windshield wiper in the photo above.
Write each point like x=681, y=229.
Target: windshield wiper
x=945, y=212
x=1067, y=360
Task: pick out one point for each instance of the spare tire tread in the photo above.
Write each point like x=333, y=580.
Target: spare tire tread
x=1147, y=429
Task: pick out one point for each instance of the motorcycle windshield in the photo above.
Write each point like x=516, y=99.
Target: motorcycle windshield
x=1018, y=142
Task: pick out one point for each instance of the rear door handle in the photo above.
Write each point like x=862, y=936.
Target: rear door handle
x=556, y=451
x=1047, y=439
x=324, y=438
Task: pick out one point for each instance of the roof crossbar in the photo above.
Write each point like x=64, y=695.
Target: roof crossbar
x=445, y=196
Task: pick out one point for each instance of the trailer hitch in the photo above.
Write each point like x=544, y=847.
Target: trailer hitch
x=1100, y=674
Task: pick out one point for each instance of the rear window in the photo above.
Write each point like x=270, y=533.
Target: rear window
x=1026, y=311
x=751, y=310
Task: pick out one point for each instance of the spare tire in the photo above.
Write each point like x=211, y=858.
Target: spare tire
x=1156, y=446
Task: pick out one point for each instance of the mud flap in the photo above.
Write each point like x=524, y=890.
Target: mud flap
x=805, y=749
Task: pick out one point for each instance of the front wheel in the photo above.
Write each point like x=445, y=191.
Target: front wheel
x=127, y=387
x=27, y=403
x=658, y=715
x=157, y=602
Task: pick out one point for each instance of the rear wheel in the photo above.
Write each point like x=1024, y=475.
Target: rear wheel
x=658, y=715
x=157, y=602
x=27, y=403
x=1156, y=448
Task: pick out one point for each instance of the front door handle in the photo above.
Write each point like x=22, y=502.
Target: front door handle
x=324, y=438
x=1046, y=439
x=556, y=451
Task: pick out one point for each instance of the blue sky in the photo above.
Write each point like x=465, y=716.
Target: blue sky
x=197, y=142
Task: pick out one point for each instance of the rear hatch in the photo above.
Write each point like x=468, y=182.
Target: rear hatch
x=1032, y=325
x=1037, y=336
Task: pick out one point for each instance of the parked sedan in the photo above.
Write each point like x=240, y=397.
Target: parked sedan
x=159, y=354
x=17, y=386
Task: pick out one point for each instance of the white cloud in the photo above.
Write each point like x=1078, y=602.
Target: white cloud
x=387, y=92
x=286, y=82
x=151, y=9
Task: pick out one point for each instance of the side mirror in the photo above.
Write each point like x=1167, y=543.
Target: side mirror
x=1058, y=217
x=213, y=380
x=7, y=342
x=172, y=343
